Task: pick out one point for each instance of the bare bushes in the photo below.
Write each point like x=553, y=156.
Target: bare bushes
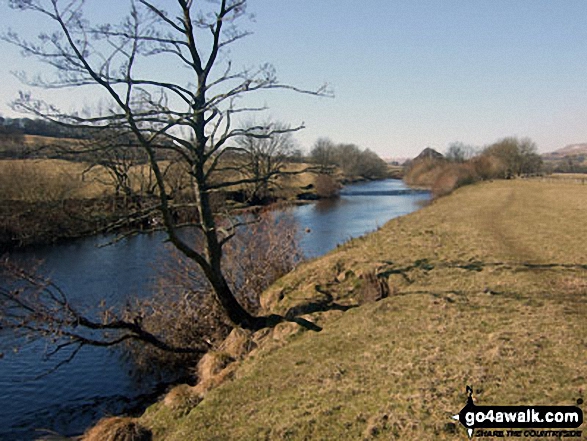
x=183, y=310
x=182, y=315
x=505, y=159
x=442, y=177
x=424, y=172
x=326, y=186
x=488, y=167
x=453, y=176
x=267, y=249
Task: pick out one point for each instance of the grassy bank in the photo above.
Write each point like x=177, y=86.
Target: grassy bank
x=486, y=287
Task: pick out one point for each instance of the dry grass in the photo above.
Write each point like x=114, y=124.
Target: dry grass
x=34, y=180
x=117, y=429
x=580, y=178
x=487, y=287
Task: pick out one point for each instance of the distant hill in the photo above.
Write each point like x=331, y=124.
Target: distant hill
x=429, y=153
x=569, y=150
x=569, y=159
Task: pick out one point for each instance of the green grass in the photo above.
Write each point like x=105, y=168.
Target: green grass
x=488, y=287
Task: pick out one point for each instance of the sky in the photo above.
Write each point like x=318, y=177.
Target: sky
x=406, y=74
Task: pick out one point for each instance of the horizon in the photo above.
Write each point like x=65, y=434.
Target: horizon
x=406, y=76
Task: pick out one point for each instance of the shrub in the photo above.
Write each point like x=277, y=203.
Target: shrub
x=488, y=167
x=326, y=186
x=183, y=312
x=424, y=172
x=453, y=176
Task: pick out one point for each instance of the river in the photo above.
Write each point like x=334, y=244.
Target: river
x=97, y=382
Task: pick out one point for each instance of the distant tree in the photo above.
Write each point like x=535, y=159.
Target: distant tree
x=120, y=163
x=322, y=154
x=518, y=156
x=371, y=166
x=355, y=162
x=459, y=152
x=352, y=161
x=265, y=151
x=530, y=161
x=347, y=157
x=113, y=152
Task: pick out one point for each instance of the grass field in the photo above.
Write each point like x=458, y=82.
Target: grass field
x=36, y=180
x=39, y=179
x=486, y=287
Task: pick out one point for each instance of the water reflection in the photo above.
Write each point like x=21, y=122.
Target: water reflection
x=326, y=205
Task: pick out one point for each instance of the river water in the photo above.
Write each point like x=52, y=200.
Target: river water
x=97, y=382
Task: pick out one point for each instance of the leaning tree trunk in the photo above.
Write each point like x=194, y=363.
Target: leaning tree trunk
x=213, y=249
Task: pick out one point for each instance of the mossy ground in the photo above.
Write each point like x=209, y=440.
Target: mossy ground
x=486, y=287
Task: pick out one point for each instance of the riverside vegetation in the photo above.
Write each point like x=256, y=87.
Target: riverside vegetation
x=487, y=287
x=59, y=188
x=462, y=165
x=350, y=386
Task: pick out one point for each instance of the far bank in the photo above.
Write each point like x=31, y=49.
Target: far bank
x=46, y=200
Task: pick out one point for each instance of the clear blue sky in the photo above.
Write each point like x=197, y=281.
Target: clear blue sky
x=407, y=74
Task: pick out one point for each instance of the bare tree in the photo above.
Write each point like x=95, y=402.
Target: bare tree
x=518, y=156
x=264, y=157
x=33, y=307
x=167, y=331
x=323, y=154
x=191, y=116
x=459, y=152
x=117, y=160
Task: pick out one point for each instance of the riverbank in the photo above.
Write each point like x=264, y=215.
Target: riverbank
x=45, y=201
x=91, y=273
x=486, y=287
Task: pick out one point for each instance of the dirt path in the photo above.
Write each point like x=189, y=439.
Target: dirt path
x=501, y=221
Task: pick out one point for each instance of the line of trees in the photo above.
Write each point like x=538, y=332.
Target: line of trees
x=569, y=164
x=462, y=164
x=517, y=157
x=39, y=127
x=353, y=162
